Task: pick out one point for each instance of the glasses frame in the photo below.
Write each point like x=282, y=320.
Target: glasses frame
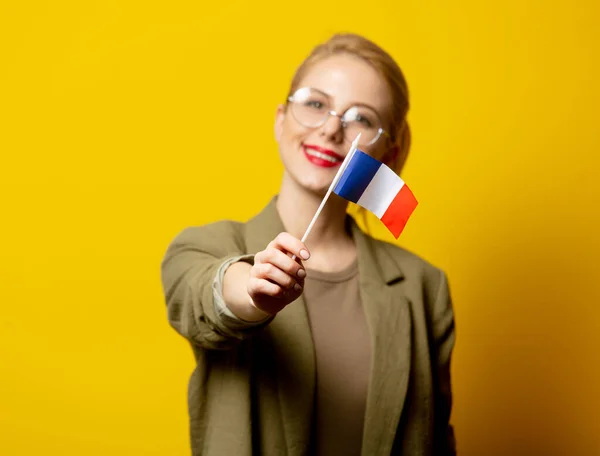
x=331, y=112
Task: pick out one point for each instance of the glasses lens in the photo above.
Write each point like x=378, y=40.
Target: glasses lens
x=363, y=120
x=310, y=107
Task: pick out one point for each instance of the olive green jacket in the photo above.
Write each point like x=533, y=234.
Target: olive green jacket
x=252, y=390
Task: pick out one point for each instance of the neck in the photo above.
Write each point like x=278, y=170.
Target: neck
x=297, y=207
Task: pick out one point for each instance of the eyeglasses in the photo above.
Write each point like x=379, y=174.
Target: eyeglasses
x=311, y=108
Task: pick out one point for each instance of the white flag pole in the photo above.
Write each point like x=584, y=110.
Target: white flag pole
x=332, y=186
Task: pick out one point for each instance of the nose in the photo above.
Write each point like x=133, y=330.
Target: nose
x=332, y=129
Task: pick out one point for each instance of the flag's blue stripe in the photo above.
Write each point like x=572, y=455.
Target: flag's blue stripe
x=356, y=176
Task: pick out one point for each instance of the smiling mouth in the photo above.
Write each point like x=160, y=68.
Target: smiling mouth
x=322, y=156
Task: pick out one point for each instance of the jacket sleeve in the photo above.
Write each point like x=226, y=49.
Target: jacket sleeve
x=190, y=273
x=444, y=338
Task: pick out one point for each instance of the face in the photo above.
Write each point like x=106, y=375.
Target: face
x=312, y=155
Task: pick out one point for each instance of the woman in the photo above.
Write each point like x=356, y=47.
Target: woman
x=344, y=350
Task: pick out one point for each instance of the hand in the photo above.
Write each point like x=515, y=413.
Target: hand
x=276, y=279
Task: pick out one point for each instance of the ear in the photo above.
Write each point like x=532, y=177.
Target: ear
x=279, y=118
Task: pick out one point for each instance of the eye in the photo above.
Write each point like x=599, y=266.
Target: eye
x=363, y=120
x=362, y=117
x=316, y=104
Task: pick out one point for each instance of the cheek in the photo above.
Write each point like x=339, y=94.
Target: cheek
x=291, y=131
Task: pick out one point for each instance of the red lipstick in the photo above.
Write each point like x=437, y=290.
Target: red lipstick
x=319, y=156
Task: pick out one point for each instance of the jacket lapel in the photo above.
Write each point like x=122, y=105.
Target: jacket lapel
x=292, y=345
x=388, y=317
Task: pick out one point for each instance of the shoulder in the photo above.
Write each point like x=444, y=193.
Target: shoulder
x=424, y=284
x=219, y=238
x=415, y=268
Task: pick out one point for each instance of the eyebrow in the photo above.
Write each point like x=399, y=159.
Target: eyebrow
x=365, y=105
x=357, y=103
x=351, y=105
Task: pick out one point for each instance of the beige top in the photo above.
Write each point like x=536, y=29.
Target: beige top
x=342, y=354
x=343, y=358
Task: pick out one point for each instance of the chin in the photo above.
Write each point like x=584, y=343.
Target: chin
x=315, y=187
x=320, y=192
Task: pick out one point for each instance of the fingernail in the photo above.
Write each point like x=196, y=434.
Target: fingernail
x=304, y=254
x=297, y=288
x=301, y=273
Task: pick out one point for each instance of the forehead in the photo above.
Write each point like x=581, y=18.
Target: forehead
x=348, y=80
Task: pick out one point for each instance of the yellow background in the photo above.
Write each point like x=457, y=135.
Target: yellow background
x=124, y=122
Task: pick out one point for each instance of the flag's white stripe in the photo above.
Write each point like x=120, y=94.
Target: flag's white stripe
x=381, y=191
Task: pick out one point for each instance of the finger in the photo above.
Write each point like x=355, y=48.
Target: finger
x=273, y=273
x=258, y=286
x=285, y=263
x=288, y=243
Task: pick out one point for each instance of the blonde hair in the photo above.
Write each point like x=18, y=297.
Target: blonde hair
x=389, y=70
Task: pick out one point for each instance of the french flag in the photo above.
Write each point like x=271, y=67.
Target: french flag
x=374, y=186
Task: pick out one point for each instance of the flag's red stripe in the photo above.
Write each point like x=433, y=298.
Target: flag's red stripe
x=399, y=211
